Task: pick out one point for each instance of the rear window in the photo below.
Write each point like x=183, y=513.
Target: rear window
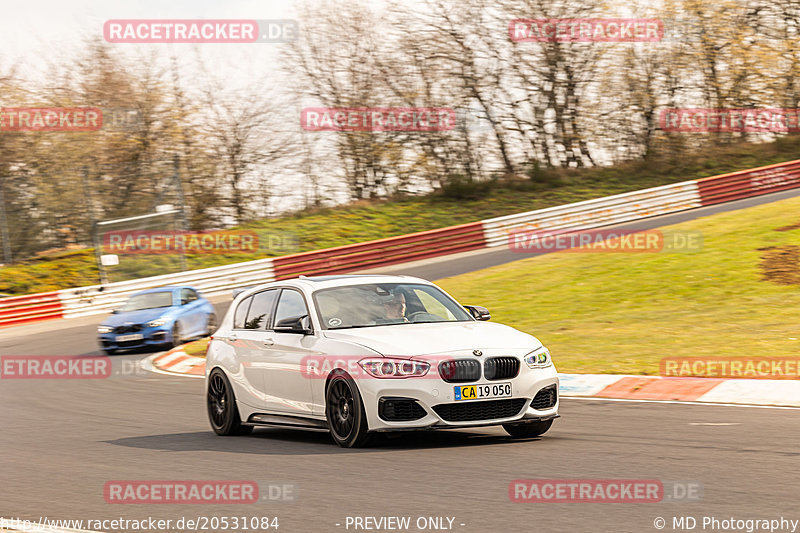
x=240, y=316
x=260, y=312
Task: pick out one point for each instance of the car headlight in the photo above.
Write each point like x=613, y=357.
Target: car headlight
x=104, y=329
x=385, y=367
x=157, y=322
x=539, y=358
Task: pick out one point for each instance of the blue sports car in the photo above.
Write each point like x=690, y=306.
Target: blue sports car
x=162, y=317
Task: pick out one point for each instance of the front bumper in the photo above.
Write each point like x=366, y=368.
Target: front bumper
x=155, y=336
x=441, y=410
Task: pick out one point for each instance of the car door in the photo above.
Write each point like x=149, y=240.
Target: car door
x=251, y=349
x=193, y=317
x=246, y=337
x=288, y=388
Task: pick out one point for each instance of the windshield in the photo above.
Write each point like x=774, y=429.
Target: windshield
x=149, y=300
x=360, y=306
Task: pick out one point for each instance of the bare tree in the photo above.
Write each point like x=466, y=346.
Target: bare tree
x=246, y=130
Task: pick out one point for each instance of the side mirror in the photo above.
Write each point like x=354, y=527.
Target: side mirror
x=296, y=324
x=184, y=301
x=478, y=312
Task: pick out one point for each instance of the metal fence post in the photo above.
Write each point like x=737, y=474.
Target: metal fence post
x=7, y=257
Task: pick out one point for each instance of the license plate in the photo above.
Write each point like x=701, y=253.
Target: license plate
x=480, y=392
x=131, y=337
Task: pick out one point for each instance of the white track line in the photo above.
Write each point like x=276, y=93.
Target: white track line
x=707, y=404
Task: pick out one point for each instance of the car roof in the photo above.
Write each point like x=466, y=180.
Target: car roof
x=314, y=283
x=166, y=288
x=320, y=282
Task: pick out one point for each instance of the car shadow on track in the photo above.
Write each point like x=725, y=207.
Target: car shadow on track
x=276, y=441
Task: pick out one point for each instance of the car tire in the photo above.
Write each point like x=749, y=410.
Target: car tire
x=345, y=413
x=212, y=324
x=530, y=429
x=221, y=404
x=177, y=340
x=109, y=351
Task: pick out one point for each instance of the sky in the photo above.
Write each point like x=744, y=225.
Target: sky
x=38, y=31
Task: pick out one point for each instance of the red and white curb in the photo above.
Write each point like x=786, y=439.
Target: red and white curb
x=176, y=362
x=764, y=392
x=759, y=392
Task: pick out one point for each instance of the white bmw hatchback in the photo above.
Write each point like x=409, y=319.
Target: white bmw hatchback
x=363, y=354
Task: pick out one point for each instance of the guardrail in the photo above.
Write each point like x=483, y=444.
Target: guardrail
x=615, y=209
x=96, y=299
x=22, y=309
x=382, y=252
x=597, y=212
x=747, y=183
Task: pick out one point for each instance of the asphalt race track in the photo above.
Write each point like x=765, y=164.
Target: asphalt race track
x=62, y=440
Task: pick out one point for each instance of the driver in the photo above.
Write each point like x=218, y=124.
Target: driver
x=395, y=308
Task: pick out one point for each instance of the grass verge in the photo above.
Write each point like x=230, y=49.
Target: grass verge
x=196, y=348
x=622, y=312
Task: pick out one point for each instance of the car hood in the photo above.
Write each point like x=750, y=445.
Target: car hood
x=431, y=339
x=136, y=317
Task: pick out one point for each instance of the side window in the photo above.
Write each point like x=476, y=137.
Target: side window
x=241, y=313
x=260, y=310
x=188, y=296
x=290, y=305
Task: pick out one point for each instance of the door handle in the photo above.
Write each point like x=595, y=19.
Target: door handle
x=232, y=337
x=268, y=342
